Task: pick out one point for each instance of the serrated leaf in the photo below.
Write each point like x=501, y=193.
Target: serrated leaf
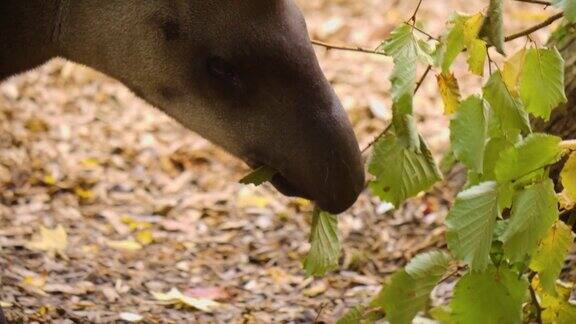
x=325, y=245
x=493, y=28
x=568, y=177
x=507, y=109
x=470, y=224
x=512, y=70
x=409, y=290
x=542, y=81
x=450, y=92
x=472, y=27
x=493, y=151
x=406, y=50
x=454, y=43
x=477, y=56
x=469, y=132
x=493, y=296
x=569, y=8
x=534, y=211
x=401, y=171
x=259, y=176
x=551, y=254
x=556, y=308
x=532, y=154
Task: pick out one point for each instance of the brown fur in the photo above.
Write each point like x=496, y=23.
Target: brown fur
x=243, y=74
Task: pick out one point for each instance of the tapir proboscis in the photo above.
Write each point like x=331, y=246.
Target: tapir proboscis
x=241, y=73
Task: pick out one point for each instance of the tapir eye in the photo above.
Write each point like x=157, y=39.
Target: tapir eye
x=222, y=70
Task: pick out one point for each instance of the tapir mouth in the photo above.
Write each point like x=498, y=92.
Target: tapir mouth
x=281, y=183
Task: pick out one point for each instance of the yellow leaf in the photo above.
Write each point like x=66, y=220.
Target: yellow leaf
x=556, y=309
x=5, y=304
x=50, y=240
x=511, y=71
x=127, y=245
x=174, y=296
x=49, y=180
x=450, y=92
x=36, y=125
x=247, y=198
x=477, y=56
x=472, y=27
x=83, y=193
x=35, y=281
x=90, y=162
x=568, y=177
x=145, y=237
x=135, y=224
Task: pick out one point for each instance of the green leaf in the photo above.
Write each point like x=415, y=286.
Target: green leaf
x=550, y=255
x=409, y=290
x=470, y=224
x=534, y=211
x=442, y=314
x=535, y=152
x=569, y=8
x=454, y=43
x=494, y=149
x=469, y=132
x=259, y=176
x=401, y=170
x=493, y=28
x=406, y=50
x=325, y=246
x=493, y=296
x=477, y=56
x=507, y=109
x=568, y=177
x=542, y=81
x=353, y=316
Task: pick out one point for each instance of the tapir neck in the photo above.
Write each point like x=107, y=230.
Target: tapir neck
x=29, y=32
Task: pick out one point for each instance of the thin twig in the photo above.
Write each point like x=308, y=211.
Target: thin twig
x=413, y=17
x=420, y=30
x=377, y=138
x=538, y=2
x=346, y=48
x=535, y=298
x=532, y=29
x=419, y=84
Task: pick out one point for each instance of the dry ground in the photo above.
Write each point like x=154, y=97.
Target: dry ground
x=77, y=149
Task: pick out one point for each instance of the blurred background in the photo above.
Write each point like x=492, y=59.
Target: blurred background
x=148, y=205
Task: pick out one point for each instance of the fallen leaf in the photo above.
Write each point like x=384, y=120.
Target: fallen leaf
x=50, y=240
x=35, y=281
x=126, y=245
x=130, y=317
x=247, y=198
x=5, y=304
x=174, y=296
x=145, y=237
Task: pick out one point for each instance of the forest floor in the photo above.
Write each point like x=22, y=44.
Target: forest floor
x=148, y=206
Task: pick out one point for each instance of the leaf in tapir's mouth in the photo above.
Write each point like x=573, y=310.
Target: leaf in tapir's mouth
x=260, y=175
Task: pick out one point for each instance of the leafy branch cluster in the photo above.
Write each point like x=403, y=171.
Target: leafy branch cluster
x=505, y=240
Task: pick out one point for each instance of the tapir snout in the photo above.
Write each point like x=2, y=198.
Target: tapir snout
x=242, y=74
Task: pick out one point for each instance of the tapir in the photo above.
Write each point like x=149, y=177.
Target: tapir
x=241, y=73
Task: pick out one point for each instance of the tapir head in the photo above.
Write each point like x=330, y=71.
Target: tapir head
x=241, y=73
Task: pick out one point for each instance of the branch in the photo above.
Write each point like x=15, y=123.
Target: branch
x=534, y=297
x=413, y=17
x=539, y=2
x=530, y=30
x=346, y=48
